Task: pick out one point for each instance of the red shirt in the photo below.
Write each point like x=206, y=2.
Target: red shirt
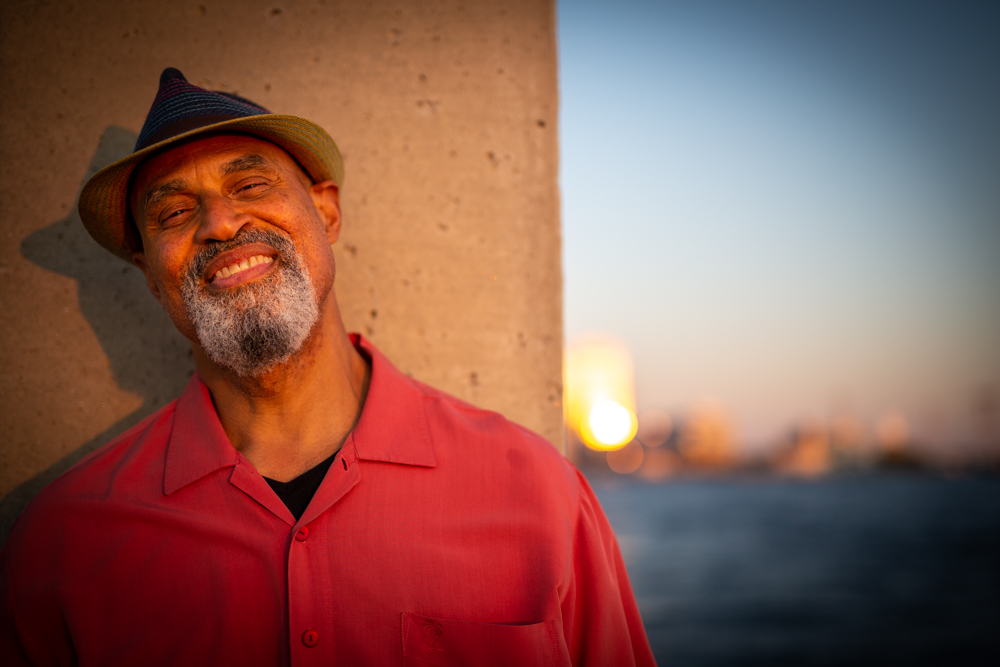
x=442, y=534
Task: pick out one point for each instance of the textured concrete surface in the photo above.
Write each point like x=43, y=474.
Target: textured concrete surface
x=450, y=258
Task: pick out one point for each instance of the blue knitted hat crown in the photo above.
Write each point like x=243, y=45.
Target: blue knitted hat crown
x=180, y=107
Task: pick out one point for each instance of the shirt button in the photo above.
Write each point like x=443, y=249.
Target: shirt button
x=310, y=638
x=302, y=533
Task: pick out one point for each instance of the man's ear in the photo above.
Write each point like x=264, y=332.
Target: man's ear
x=139, y=258
x=326, y=199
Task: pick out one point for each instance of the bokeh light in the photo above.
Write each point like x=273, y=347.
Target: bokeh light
x=655, y=427
x=600, y=393
x=893, y=430
x=707, y=439
x=627, y=459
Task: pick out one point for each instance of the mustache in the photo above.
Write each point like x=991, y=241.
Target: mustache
x=282, y=245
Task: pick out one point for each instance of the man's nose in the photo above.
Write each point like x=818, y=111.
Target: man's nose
x=221, y=219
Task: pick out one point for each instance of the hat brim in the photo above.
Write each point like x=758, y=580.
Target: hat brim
x=104, y=200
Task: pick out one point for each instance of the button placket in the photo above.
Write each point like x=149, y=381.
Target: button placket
x=309, y=589
x=311, y=623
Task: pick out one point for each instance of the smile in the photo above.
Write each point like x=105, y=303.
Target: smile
x=233, y=269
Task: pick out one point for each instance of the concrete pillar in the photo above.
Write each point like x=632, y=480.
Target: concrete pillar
x=446, y=113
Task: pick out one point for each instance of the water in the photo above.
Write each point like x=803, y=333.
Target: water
x=866, y=570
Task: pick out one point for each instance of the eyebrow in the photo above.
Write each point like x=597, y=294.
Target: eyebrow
x=162, y=190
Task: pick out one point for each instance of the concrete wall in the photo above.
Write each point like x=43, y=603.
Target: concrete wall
x=446, y=113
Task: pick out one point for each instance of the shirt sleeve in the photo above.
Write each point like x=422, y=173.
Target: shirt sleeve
x=600, y=617
x=12, y=648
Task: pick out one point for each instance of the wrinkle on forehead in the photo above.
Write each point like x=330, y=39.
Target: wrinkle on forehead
x=251, y=162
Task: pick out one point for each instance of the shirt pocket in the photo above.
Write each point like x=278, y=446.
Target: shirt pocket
x=446, y=642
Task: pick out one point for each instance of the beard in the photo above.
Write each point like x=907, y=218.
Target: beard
x=252, y=328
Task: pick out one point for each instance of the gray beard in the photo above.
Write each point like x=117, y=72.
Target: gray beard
x=252, y=328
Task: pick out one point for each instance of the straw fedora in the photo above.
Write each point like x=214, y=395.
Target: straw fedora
x=181, y=110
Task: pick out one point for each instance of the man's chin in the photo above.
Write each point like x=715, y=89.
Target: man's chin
x=256, y=369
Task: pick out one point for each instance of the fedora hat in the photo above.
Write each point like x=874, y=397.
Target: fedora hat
x=182, y=110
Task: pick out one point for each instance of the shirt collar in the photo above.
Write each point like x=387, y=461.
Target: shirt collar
x=393, y=425
x=198, y=444
x=392, y=428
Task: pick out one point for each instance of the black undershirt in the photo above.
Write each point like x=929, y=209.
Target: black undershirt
x=297, y=493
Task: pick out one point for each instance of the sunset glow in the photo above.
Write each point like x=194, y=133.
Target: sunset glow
x=610, y=423
x=600, y=393
x=800, y=228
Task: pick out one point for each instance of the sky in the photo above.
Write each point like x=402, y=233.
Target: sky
x=791, y=209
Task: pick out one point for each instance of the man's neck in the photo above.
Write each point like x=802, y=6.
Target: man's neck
x=295, y=416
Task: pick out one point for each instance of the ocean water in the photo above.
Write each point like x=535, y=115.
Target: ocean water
x=868, y=570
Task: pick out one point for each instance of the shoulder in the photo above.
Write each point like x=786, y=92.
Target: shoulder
x=486, y=439
x=134, y=456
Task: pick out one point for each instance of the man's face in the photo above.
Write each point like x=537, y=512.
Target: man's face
x=236, y=246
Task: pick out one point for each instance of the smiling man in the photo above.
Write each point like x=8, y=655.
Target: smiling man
x=302, y=502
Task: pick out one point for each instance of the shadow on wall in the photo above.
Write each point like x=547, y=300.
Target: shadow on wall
x=148, y=357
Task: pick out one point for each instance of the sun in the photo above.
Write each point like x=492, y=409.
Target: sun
x=600, y=393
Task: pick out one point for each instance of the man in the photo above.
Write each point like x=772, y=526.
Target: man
x=302, y=502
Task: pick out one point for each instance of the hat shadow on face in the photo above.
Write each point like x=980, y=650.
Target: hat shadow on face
x=147, y=356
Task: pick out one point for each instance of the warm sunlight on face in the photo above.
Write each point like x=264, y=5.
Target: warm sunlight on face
x=600, y=393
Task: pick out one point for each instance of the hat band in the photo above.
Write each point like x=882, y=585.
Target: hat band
x=186, y=125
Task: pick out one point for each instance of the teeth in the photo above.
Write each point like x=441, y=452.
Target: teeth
x=232, y=269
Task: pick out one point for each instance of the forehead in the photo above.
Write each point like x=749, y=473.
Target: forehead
x=207, y=155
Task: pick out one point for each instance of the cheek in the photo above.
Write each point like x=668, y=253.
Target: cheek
x=169, y=269
x=169, y=274
x=324, y=271
x=314, y=245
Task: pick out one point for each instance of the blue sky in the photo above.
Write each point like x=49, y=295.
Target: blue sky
x=791, y=208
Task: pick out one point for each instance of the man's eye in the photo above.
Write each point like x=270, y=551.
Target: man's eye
x=172, y=215
x=249, y=187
